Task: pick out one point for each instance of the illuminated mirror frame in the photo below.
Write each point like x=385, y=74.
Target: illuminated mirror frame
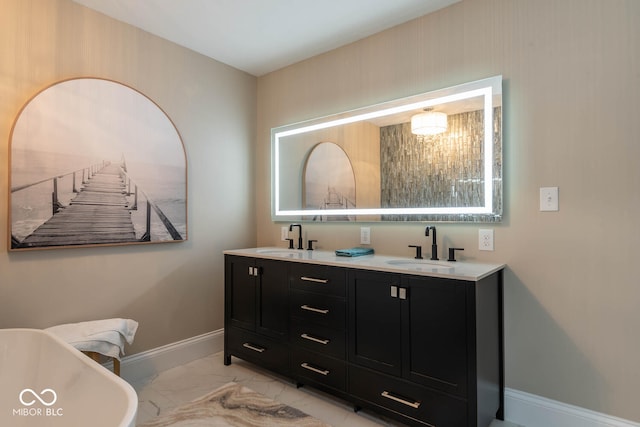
x=488, y=212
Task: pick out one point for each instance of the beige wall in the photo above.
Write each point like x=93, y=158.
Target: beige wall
x=571, y=73
x=175, y=290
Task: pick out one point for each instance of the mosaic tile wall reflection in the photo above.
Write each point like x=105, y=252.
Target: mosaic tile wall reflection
x=443, y=170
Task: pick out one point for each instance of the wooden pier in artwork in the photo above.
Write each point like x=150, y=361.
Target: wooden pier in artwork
x=99, y=213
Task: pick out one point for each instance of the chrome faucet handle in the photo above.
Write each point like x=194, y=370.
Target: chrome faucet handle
x=418, y=251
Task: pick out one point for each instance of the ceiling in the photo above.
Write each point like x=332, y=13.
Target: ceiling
x=260, y=36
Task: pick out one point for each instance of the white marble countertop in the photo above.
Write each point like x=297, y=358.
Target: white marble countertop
x=460, y=270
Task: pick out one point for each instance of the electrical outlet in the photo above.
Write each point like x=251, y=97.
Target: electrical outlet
x=485, y=239
x=365, y=235
x=284, y=233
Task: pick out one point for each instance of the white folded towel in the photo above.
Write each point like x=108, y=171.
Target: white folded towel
x=102, y=336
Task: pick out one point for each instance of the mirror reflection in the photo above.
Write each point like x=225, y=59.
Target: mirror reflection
x=430, y=157
x=323, y=192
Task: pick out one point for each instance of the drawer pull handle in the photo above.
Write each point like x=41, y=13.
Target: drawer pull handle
x=305, y=365
x=252, y=347
x=315, y=310
x=313, y=279
x=388, y=395
x=311, y=338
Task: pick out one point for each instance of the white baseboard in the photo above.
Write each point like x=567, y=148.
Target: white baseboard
x=148, y=363
x=529, y=410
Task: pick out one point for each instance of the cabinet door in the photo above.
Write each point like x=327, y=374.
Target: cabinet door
x=273, y=302
x=435, y=340
x=240, y=289
x=374, y=321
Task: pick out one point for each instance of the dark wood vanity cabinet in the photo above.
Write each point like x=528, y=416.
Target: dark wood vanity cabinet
x=427, y=348
x=426, y=351
x=256, y=311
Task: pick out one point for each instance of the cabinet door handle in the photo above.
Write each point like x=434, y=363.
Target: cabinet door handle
x=305, y=365
x=252, y=347
x=394, y=291
x=313, y=279
x=315, y=310
x=402, y=293
x=312, y=338
x=388, y=395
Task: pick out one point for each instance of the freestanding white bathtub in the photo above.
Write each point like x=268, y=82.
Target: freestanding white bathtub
x=46, y=382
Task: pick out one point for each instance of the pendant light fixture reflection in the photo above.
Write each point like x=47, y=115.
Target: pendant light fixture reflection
x=429, y=123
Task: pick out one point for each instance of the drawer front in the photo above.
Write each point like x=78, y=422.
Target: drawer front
x=258, y=349
x=429, y=407
x=319, y=309
x=320, y=339
x=319, y=278
x=319, y=369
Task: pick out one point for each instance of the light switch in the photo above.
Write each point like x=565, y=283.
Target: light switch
x=548, y=199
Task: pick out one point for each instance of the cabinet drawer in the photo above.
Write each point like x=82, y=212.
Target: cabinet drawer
x=318, y=278
x=257, y=349
x=319, y=309
x=318, y=338
x=429, y=407
x=319, y=369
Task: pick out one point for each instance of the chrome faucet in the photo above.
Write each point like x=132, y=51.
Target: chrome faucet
x=299, y=233
x=434, y=245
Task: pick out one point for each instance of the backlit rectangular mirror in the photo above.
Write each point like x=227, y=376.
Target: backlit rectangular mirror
x=436, y=156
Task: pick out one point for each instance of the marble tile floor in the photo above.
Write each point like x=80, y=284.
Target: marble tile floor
x=173, y=387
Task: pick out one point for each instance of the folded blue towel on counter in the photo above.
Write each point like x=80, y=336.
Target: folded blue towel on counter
x=354, y=252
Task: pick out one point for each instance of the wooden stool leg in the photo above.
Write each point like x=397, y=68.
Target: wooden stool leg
x=93, y=355
x=96, y=356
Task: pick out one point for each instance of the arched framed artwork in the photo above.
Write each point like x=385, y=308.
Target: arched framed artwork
x=323, y=190
x=95, y=162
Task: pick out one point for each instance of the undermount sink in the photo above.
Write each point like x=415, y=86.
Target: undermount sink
x=281, y=253
x=416, y=264
x=275, y=251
